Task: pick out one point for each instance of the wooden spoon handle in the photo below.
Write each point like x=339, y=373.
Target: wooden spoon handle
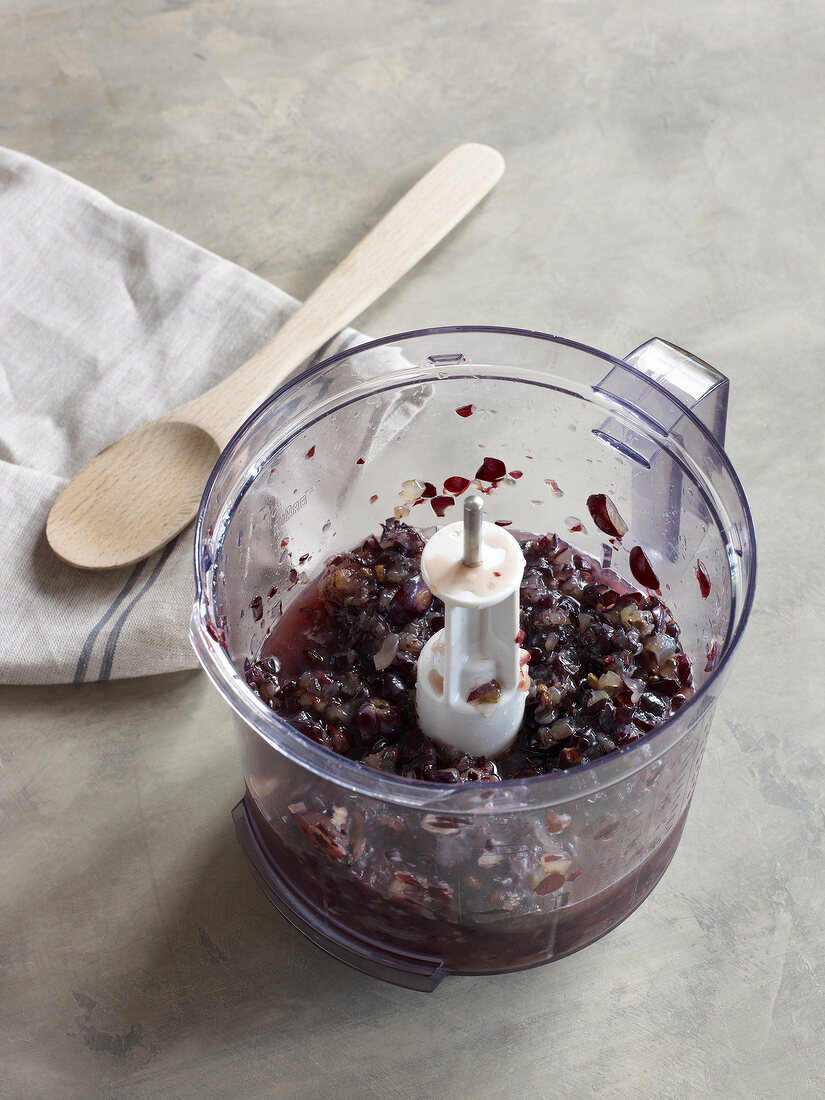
x=412, y=227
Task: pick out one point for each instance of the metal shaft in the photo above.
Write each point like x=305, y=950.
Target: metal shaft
x=473, y=515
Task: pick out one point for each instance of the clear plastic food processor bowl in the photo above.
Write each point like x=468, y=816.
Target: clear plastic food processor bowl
x=434, y=879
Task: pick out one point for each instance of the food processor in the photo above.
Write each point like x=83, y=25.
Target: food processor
x=411, y=881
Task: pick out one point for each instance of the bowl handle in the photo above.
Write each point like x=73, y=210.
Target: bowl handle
x=702, y=388
x=662, y=516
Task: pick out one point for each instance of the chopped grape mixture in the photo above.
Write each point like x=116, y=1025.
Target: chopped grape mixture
x=606, y=665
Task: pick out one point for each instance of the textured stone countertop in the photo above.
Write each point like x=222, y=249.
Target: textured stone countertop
x=666, y=174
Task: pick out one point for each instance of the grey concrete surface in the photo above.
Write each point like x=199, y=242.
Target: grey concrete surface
x=666, y=174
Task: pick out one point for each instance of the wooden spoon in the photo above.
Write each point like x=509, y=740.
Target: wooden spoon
x=141, y=491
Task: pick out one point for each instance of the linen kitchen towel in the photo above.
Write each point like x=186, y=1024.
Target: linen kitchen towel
x=107, y=320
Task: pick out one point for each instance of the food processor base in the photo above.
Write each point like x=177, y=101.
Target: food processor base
x=412, y=970
x=411, y=973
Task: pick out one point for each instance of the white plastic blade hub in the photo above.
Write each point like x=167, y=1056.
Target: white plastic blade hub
x=478, y=647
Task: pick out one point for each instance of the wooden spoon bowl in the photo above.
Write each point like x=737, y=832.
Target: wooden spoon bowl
x=141, y=491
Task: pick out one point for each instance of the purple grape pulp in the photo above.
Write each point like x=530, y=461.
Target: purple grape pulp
x=606, y=665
